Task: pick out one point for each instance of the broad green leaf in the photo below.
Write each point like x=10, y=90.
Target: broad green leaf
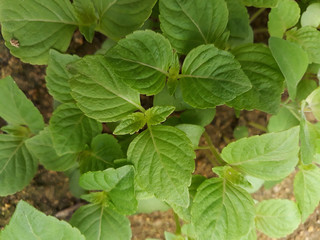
x=87, y=17
x=211, y=77
x=117, y=18
x=171, y=236
x=57, y=76
x=193, y=132
x=261, y=3
x=99, y=223
x=286, y=118
x=311, y=17
x=202, y=117
x=277, y=217
x=119, y=185
x=17, y=165
x=74, y=175
x=16, y=109
x=158, y=114
x=309, y=39
x=238, y=24
x=131, y=124
x=145, y=68
x=270, y=156
x=106, y=46
x=182, y=23
x=305, y=190
x=163, y=159
x=103, y=150
x=99, y=93
x=292, y=60
x=71, y=130
x=29, y=224
x=313, y=101
x=42, y=148
x=151, y=204
x=21, y=20
x=283, y=17
x=266, y=78
x=305, y=88
x=240, y=132
x=222, y=210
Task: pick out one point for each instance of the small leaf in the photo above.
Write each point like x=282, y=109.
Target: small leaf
x=131, y=124
x=193, y=132
x=240, y=132
x=21, y=20
x=309, y=39
x=98, y=223
x=103, y=150
x=311, y=17
x=211, y=77
x=163, y=159
x=261, y=3
x=283, y=17
x=16, y=109
x=186, y=29
x=305, y=192
x=57, y=76
x=158, y=114
x=222, y=211
x=270, y=156
x=305, y=88
x=313, y=101
x=28, y=223
x=71, y=130
x=202, y=117
x=42, y=148
x=121, y=17
x=277, y=217
x=17, y=164
x=99, y=93
x=147, y=67
x=265, y=76
x=286, y=118
x=292, y=60
x=119, y=185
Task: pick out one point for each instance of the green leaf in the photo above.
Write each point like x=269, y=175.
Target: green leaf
x=277, y=217
x=261, y=3
x=240, y=132
x=211, y=77
x=57, y=76
x=17, y=165
x=309, y=39
x=117, y=18
x=16, y=109
x=266, y=78
x=158, y=114
x=145, y=68
x=270, y=156
x=286, y=118
x=313, y=101
x=103, y=150
x=283, y=17
x=305, y=190
x=87, y=17
x=42, y=148
x=186, y=29
x=131, y=124
x=98, y=223
x=202, y=117
x=21, y=20
x=119, y=185
x=71, y=130
x=163, y=159
x=74, y=175
x=99, y=93
x=28, y=223
x=292, y=60
x=238, y=24
x=222, y=211
x=311, y=17
x=305, y=88
x=193, y=132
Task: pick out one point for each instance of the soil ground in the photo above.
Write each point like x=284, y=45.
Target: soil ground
x=49, y=191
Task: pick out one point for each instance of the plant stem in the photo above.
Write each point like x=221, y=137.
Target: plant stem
x=256, y=14
x=260, y=30
x=177, y=221
x=213, y=150
x=258, y=126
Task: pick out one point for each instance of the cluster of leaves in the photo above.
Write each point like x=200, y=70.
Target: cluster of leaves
x=202, y=57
